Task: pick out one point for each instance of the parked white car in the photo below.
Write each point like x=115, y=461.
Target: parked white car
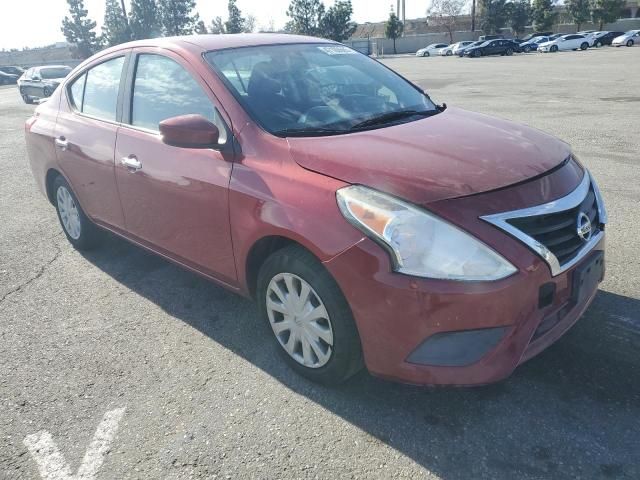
x=432, y=49
x=454, y=48
x=631, y=38
x=572, y=41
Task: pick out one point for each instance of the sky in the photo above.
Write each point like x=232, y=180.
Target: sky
x=34, y=23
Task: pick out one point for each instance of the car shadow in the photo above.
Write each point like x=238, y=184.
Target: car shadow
x=571, y=412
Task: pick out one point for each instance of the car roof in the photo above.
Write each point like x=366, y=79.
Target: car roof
x=52, y=66
x=220, y=42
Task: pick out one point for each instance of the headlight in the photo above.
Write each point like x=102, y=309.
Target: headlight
x=420, y=243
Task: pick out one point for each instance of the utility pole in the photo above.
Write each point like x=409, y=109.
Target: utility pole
x=473, y=15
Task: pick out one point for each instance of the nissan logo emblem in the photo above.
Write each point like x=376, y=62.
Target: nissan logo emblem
x=584, y=227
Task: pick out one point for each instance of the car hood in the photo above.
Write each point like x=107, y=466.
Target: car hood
x=452, y=154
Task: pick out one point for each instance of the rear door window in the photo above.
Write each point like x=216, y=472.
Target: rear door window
x=101, y=89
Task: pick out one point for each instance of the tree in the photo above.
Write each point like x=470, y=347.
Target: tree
x=493, y=15
x=393, y=28
x=217, y=26
x=201, y=28
x=519, y=14
x=177, y=16
x=580, y=11
x=115, y=29
x=78, y=29
x=305, y=17
x=606, y=11
x=543, y=15
x=144, y=20
x=336, y=24
x=445, y=13
x=250, y=24
x=235, y=23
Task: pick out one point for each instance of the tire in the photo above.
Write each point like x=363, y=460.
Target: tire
x=449, y=53
x=476, y=54
x=553, y=49
x=25, y=98
x=294, y=269
x=526, y=49
x=509, y=52
x=598, y=44
x=77, y=227
x=46, y=92
x=584, y=46
x=629, y=43
x=426, y=54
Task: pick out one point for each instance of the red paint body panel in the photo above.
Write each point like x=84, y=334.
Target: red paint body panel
x=467, y=153
x=206, y=209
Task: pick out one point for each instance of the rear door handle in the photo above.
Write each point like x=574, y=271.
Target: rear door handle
x=61, y=143
x=131, y=162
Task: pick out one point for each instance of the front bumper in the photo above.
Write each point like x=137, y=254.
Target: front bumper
x=396, y=313
x=476, y=332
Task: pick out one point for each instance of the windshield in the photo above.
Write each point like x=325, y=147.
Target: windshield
x=307, y=88
x=54, y=72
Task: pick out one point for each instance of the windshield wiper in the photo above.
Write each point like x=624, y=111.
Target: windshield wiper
x=391, y=116
x=309, y=132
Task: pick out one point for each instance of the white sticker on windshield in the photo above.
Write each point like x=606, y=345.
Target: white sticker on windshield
x=338, y=50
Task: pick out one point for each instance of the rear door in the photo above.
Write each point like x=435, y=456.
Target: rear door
x=86, y=136
x=176, y=200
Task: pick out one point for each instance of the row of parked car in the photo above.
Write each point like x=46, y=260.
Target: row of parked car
x=542, y=42
x=36, y=82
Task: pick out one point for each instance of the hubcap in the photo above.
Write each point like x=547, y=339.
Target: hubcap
x=68, y=213
x=299, y=320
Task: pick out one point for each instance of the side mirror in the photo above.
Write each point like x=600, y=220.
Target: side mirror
x=189, y=131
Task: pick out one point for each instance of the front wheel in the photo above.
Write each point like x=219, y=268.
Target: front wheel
x=584, y=46
x=598, y=44
x=449, y=53
x=509, y=52
x=629, y=43
x=554, y=48
x=46, y=92
x=77, y=227
x=526, y=49
x=426, y=54
x=476, y=54
x=310, y=319
x=25, y=98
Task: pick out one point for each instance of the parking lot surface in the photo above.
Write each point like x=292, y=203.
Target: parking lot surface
x=193, y=387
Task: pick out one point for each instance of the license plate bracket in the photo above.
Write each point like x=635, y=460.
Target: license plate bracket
x=587, y=276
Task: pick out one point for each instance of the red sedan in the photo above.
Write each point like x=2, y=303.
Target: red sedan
x=372, y=226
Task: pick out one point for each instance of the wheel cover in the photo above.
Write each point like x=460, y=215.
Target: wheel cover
x=69, y=213
x=299, y=320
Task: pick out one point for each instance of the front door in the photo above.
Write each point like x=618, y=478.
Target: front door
x=175, y=200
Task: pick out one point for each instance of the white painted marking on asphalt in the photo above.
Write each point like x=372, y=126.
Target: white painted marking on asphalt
x=51, y=462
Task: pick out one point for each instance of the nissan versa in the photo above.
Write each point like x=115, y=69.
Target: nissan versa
x=372, y=226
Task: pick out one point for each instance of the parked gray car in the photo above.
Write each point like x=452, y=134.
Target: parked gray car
x=40, y=82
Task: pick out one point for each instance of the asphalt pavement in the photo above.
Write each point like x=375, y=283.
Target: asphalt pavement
x=121, y=365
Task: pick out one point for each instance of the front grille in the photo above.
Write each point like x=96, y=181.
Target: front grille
x=551, y=229
x=558, y=231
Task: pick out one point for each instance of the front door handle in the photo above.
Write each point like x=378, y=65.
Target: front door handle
x=61, y=143
x=132, y=163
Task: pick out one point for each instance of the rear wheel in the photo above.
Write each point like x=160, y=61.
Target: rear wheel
x=80, y=231
x=584, y=46
x=629, y=43
x=309, y=317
